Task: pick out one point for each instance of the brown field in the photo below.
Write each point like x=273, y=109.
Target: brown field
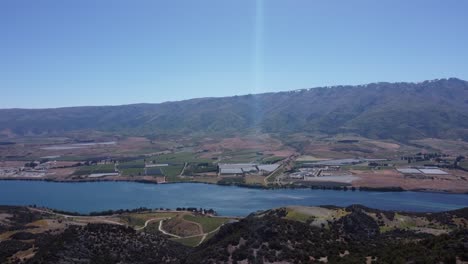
x=281, y=153
x=392, y=178
x=255, y=179
x=11, y=164
x=450, y=147
x=181, y=227
x=234, y=149
x=261, y=142
x=385, y=145
x=206, y=179
x=124, y=146
x=330, y=147
x=61, y=173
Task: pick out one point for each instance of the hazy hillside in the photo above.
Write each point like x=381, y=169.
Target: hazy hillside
x=380, y=110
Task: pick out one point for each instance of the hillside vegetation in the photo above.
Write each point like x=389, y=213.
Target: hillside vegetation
x=296, y=234
x=399, y=111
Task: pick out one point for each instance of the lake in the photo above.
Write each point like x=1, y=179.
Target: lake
x=226, y=200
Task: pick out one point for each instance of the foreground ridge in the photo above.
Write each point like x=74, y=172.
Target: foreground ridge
x=296, y=234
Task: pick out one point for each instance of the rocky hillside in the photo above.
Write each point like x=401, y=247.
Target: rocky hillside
x=355, y=234
x=101, y=243
x=399, y=111
x=352, y=235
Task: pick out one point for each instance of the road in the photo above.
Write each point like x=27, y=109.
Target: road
x=286, y=164
x=100, y=218
x=147, y=222
x=164, y=232
x=271, y=174
x=183, y=170
x=160, y=228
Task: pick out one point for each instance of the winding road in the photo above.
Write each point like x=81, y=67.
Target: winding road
x=160, y=228
x=147, y=222
x=100, y=218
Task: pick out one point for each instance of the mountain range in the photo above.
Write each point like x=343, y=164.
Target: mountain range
x=400, y=111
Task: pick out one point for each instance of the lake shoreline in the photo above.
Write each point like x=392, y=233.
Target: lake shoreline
x=249, y=186
x=93, y=196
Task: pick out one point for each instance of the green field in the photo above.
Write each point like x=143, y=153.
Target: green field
x=209, y=224
x=139, y=219
x=177, y=158
x=172, y=170
x=132, y=164
x=74, y=158
x=272, y=159
x=191, y=241
x=243, y=156
x=232, y=180
x=152, y=227
x=298, y=216
x=86, y=170
x=194, y=168
x=133, y=172
x=464, y=164
x=133, y=221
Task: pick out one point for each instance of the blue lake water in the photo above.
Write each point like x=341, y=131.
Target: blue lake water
x=226, y=200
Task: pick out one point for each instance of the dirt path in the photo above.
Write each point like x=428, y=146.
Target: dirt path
x=271, y=174
x=284, y=164
x=100, y=218
x=149, y=221
x=160, y=228
x=164, y=232
x=183, y=170
x=200, y=227
x=206, y=234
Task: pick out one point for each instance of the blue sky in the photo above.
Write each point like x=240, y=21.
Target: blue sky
x=57, y=53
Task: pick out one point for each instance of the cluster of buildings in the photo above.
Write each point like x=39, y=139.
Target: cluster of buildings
x=309, y=174
x=33, y=169
x=21, y=172
x=241, y=169
x=328, y=168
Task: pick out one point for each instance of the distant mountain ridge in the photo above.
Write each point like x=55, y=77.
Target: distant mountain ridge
x=400, y=111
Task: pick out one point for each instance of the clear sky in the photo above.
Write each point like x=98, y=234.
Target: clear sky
x=106, y=52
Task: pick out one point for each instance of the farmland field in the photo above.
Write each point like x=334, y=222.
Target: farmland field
x=271, y=160
x=243, y=156
x=178, y=158
x=132, y=165
x=190, y=241
x=133, y=172
x=154, y=171
x=464, y=164
x=209, y=224
x=86, y=170
x=172, y=170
